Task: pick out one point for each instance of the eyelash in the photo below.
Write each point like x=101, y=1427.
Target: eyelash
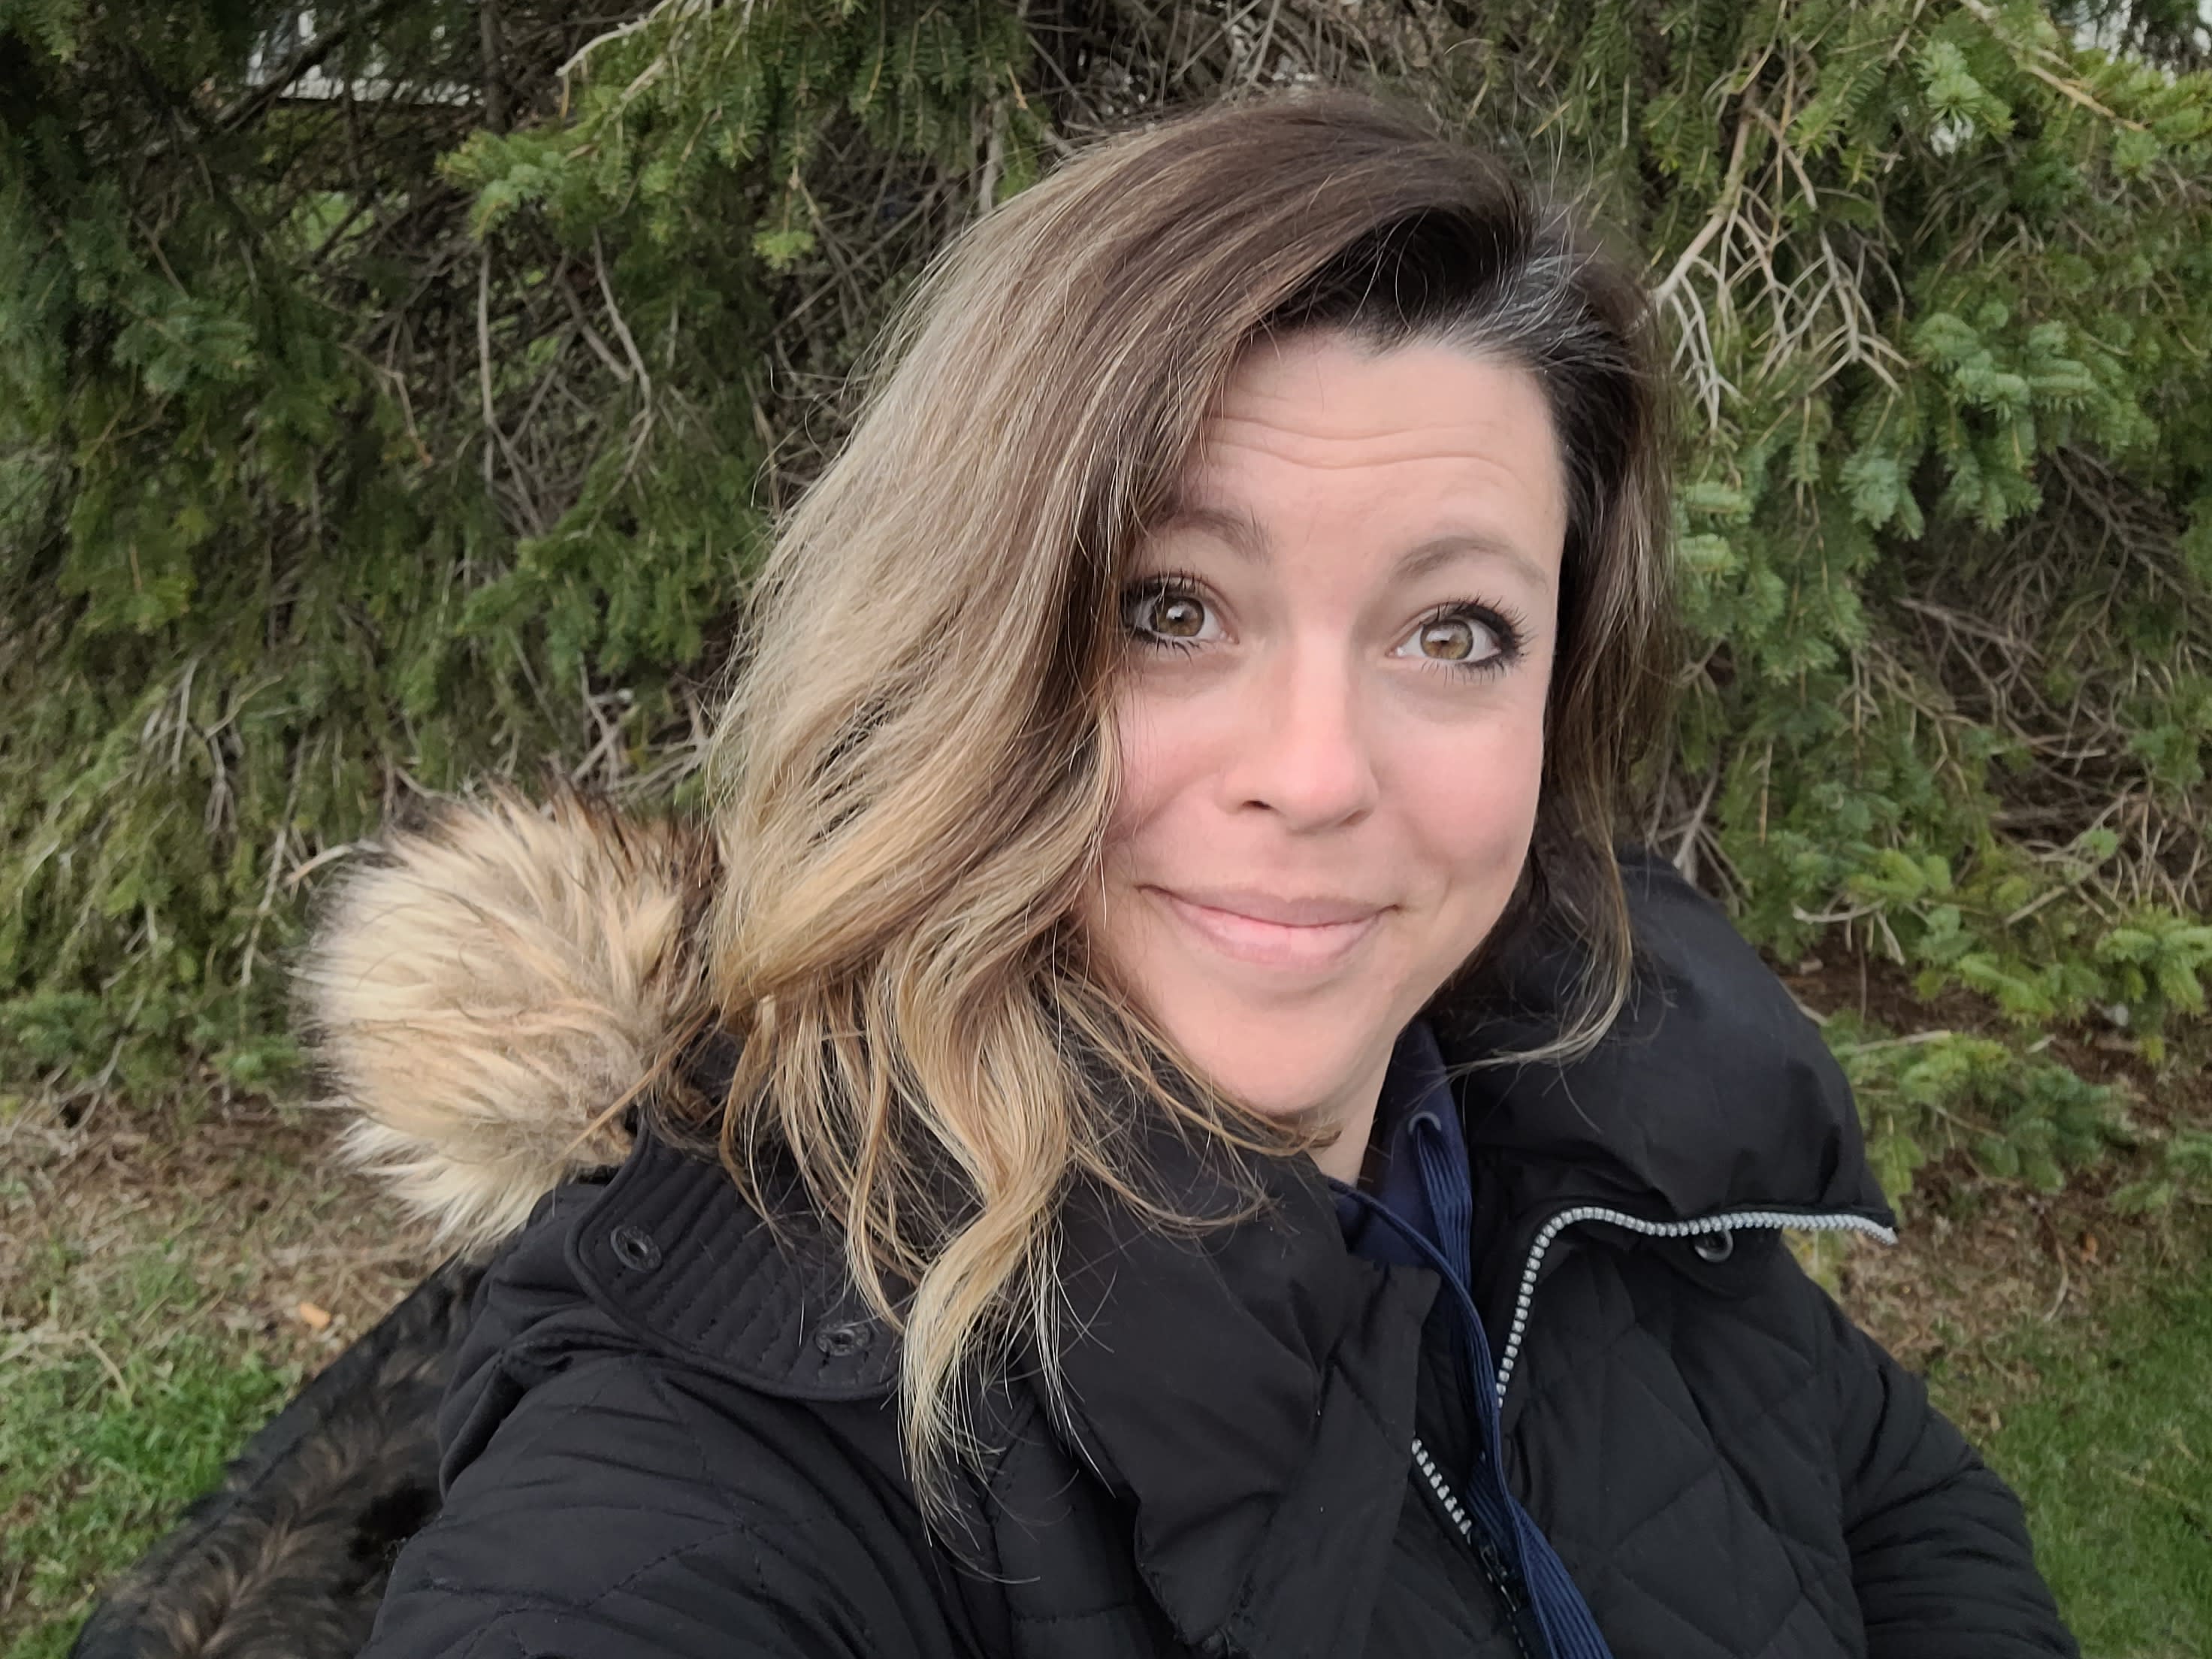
x=1503, y=624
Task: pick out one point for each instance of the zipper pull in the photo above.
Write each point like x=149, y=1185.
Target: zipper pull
x=1512, y=1592
x=1502, y=1579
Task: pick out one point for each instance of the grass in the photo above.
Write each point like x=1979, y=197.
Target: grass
x=122, y=1421
x=150, y=1319
x=2109, y=1442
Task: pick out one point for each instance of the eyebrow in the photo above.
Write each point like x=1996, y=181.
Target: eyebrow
x=1245, y=536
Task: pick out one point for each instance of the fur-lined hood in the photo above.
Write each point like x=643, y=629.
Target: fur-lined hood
x=490, y=990
x=483, y=991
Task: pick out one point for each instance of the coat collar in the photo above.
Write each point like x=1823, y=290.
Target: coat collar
x=1712, y=1092
x=673, y=1253
x=1250, y=1394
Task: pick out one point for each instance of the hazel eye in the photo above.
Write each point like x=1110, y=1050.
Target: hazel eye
x=1464, y=639
x=1168, y=615
x=1177, y=616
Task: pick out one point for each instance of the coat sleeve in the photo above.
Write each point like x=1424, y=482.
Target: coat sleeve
x=618, y=1507
x=1939, y=1551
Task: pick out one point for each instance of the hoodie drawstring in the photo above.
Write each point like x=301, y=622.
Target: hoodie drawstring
x=1562, y=1617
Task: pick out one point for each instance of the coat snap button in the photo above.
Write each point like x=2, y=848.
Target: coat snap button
x=634, y=1247
x=1715, y=1247
x=839, y=1339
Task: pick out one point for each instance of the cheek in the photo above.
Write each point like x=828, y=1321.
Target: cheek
x=1155, y=768
x=1470, y=808
x=1132, y=831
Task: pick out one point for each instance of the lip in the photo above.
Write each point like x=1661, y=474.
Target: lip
x=1274, y=932
x=1255, y=906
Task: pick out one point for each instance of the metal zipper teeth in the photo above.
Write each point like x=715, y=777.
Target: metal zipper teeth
x=1558, y=1223
x=1507, y=1597
x=1441, y=1488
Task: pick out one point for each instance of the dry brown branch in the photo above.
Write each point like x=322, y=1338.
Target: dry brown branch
x=668, y=11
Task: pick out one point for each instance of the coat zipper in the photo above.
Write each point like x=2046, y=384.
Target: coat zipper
x=1504, y=1581
x=1829, y=1222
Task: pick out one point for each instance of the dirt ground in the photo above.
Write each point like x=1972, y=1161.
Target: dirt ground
x=277, y=1234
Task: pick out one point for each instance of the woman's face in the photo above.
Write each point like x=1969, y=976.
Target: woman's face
x=1331, y=730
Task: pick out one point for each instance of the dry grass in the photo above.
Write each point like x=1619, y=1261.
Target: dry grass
x=161, y=1291
x=1976, y=1266
x=270, y=1221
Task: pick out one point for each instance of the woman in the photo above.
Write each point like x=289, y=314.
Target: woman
x=1042, y=1180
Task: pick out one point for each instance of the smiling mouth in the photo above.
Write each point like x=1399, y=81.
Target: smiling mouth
x=1299, y=945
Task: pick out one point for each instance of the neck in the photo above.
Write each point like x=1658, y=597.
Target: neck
x=1346, y=1158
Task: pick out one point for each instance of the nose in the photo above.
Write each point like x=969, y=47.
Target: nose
x=1302, y=749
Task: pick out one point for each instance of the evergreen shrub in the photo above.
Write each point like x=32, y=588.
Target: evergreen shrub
x=399, y=394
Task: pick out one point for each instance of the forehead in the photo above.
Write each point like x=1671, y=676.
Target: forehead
x=1336, y=399
x=1406, y=442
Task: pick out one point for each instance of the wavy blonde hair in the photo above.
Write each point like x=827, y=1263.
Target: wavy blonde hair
x=913, y=780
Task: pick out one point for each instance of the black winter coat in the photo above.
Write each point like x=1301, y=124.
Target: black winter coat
x=667, y=1436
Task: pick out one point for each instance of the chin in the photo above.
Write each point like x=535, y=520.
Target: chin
x=1279, y=1073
